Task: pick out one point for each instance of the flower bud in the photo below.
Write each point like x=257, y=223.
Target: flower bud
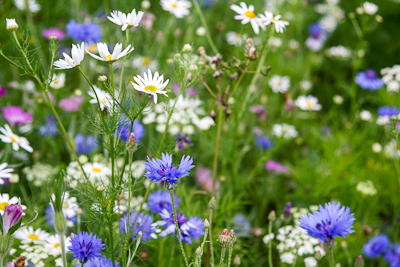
x=59, y=222
x=212, y=203
x=265, y=70
x=286, y=213
x=14, y=178
x=272, y=216
x=318, y=256
x=206, y=224
x=146, y=5
x=198, y=251
x=11, y=25
x=236, y=260
x=53, y=38
x=100, y=188
x=187, y=48
x=131, y=143
x=359, y=261
x=233, y=236
x=330, y=244
x=224, y=239
x=102, y=78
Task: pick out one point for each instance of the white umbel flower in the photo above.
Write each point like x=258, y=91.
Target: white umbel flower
x=126, y=20
x=150, y=84
x=32, y=5
x=11, y=25
x=370, y=8
x=105, y=98
x=105, y=54
x=28, y=235
x=246, y=15
x=269, y=18
x=279, y=84
x=17, y=141
x=77, y=53
x=284, y=130
x=308, y=103
x=58, y=81
x=179, y=8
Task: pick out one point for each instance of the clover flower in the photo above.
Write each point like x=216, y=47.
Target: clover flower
x=162, y=170
x=376, y=246
x=160, y=200
x=70, y=104
x=85, y=247
x=77, y=53
x=126, y=20
x=108, y=57
x=143, y=224
x=330, y=221
x=368, y=80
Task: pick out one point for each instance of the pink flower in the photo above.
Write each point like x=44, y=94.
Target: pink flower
x=53, y=31
x=276, y=167
x=71, y=104
x=260, y=111
x=189, y=91
x=147, y=21
x=11, y=216
x=3, y=91
x=15, y=115
x=203, y=176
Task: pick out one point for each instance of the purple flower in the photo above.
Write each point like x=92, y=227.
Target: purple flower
x=286, y=212
x=276, y=167
x=53, y=31
x=11, y=216
x=3, y=91
x=204, y=177
x=392, y=256
x=88, y=33
x=50, y=128
x=70, y=104
x=330, y=221
x=85, y=247
x=376, y=246
x=160, y=200
x=190, y=229
x=85, y=145
x=188, y=91
x=317, y=37
x=387, y=111
x=264, y=142
x=260, y=111
x=182, y=142
x=241, y=225
x=100, y=262
x=124, y=127
x=143, y=224
x=162, y=170
x=369, y=80
x=15, y=115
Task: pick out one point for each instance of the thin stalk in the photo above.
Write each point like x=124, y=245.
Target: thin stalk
x=63, y=251
x=240, y=79
x=178, y=231
x=230, y=255
x=210, y=218
x=331, y=259
x=110, y=226
x=32, y=28
x=221, y=262
x=204, y=23
x=218, y=141
x=270, y=246
x=202, y=245
x=112, y=75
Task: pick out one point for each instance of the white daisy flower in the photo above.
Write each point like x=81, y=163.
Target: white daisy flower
x=126, y=20
x=310, y=262
x=308, y=103
x=284, y=130
x=28, y=235
x=96, y=170
x=11, y=24
x=4, y=172
x=279, y=84
x=5, y=201
x=246, y=15
x=234, y=38
x=53, y=244
x=143, y=63
x=32, y=5
x=77, y=52
x=150, y=85
x=105, y=55
x=179, y=8
x=17, y=141
x=105, y=98
x=58, y=81
x=69, y=206
x=269, y=18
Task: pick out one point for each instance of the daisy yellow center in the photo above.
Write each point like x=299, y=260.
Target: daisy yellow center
x=97, y=170
x=103, y=100
x=3, y=205
x=152, y=88
x=56, y=82
x=33, y=236
x=146, y=61
x=14, y=138
x=250, y=14
x=174, y=5
x=274, y=20
x=57, y=245
x=309, y=105
x=109, y=56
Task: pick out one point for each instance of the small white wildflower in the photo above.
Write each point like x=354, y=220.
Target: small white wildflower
x=11, y=25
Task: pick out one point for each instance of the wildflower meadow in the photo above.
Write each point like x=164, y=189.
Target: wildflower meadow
x=190, y=133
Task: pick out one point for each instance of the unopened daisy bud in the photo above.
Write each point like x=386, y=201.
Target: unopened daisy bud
x=359, y=261
x=146, y=4
x=140, y=234
x=224, y=239
x=206, y=224
x=78, y=92
x=352, y=15
x=212, y=203
x=198, y=251
x=201, y=31
x=102, y=78
x=318, y=256
x=265, y=70
x=378, y=19
x=272, y=216
x=11, y=25
x=338, y=100
x=233, y=236
x=359, y=10
x=53, y=38
x=236, y=260
x=83, y=159
x=187, y=48
x=131, y=143
x=14, y=178
x=100, y=188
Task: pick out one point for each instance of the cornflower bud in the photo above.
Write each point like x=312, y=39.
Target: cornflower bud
x=206, y=224
x=359, y=261
x=318, y=256
x=224, y=239
x=272, y=216
x=236, y=260
x=198, y=251
x=233, y=236
x=212, y=203
x=131, y=143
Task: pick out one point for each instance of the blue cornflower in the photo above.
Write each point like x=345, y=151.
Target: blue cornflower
x=317, y=37
x=143, y=224
x=85, y=247
x=161, y=200
x=124, y=127
x=264, y=142
x=162, y=170
x=85, y=145
x=387, y=111
x=190, y=229
x=330, y=221
x=369, y=80
x=88, y=33
x=100, y=262
x=241, y=225
x=392, y=256
x=182, y=142
x=376, y=246
x=50, y=128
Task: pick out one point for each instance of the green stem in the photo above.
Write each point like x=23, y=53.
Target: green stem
x=203, y=21
x=112, y=75
x=178, y=231
x=212, y=261
x=240, y=79
x=230, y=255
x=110, y=226
x=270, y=246
x=221, y=262
x=218, y=141
x=331, y=260
x=63, y=251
